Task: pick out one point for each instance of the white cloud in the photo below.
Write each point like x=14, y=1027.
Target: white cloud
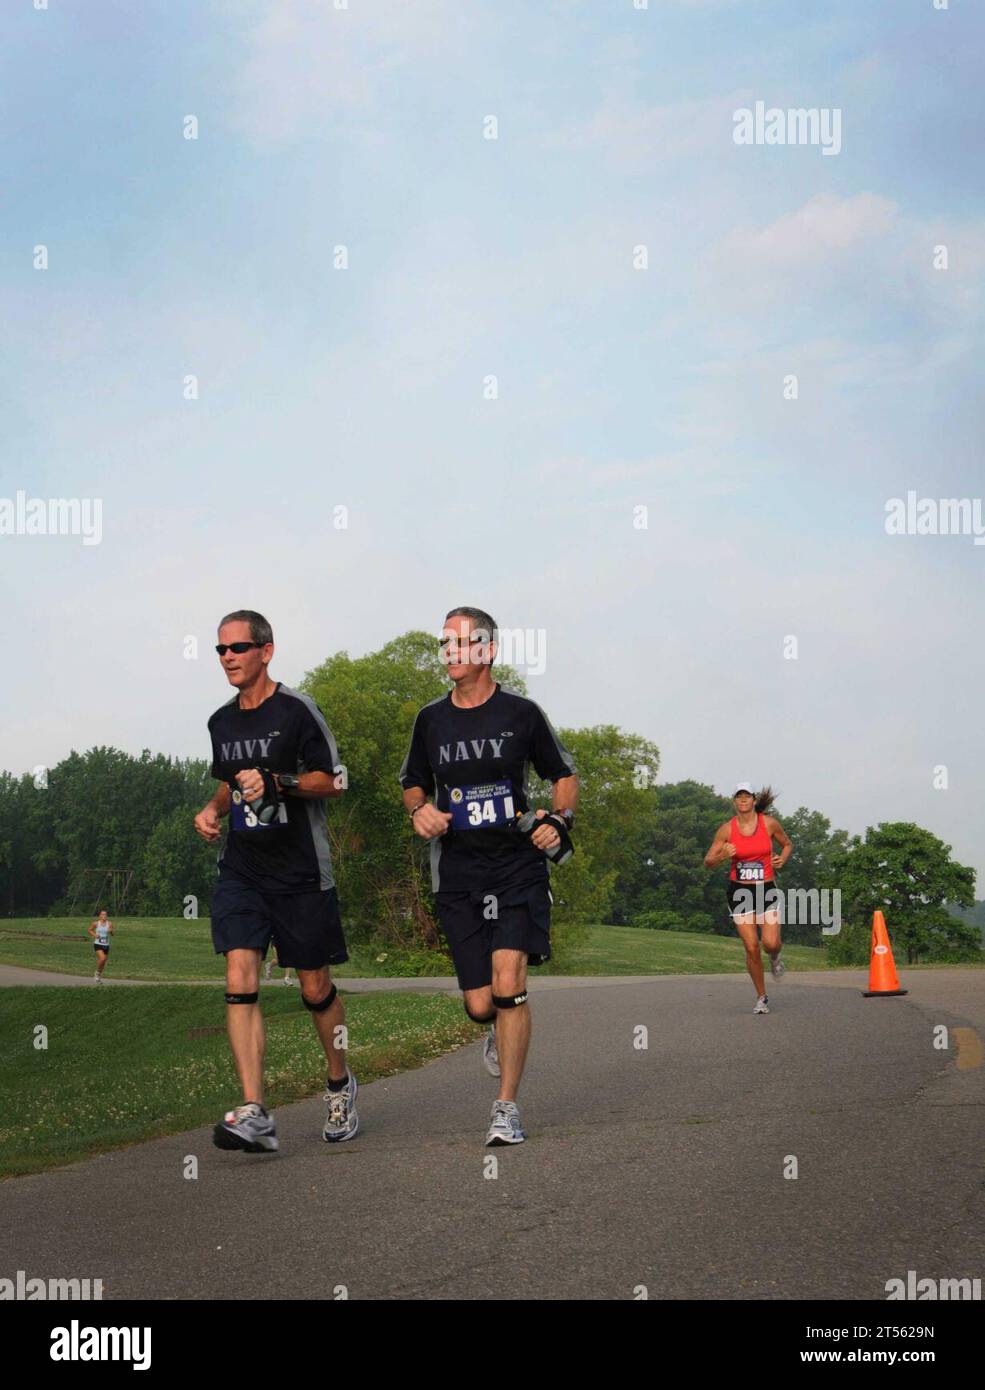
x=636, y=136
x=308, y=64
x=824, y=226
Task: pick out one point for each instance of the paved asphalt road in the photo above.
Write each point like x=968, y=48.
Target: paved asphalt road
x=661, y=1167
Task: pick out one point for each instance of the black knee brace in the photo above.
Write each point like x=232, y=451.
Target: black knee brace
x=479, y=1018
x=509, y=1001
x=325, y=1003
x=242, y=998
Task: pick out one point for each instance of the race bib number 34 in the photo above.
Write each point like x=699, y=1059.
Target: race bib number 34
x=242, y=816
x=482, y=806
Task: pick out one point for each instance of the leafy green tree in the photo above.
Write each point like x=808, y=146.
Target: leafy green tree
x=663, y=919
x=616, y=776
x=668, y=873
x=174, y=866
x=816, y=849
x=908, y=873
x=98, y=810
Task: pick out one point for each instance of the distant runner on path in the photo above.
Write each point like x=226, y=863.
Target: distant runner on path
x=101, y=930
x=746, y=843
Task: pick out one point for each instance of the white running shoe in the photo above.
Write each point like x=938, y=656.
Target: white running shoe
x=489, y=1054
x=249, y=1128
x=762, y=1005
x=777, y=968
x=505, y=1127
x=341, y=1122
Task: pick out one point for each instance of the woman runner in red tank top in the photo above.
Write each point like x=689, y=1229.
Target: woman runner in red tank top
x=746, y=843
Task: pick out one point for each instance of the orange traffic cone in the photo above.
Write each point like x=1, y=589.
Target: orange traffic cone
x=882, y=968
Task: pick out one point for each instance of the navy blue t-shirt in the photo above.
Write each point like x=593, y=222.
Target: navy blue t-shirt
x=286, y=733
x=474, y=763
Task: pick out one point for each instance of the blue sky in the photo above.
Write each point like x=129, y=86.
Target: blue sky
x=513, y=257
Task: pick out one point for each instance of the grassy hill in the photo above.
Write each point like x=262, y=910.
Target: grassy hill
x=123, y=1065
x=165, y=948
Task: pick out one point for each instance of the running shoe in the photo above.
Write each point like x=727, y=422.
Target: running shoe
x=762, y=1005
x=341, y=1122
x=249, y=1128
x=489, y=1054
x=777, y=968
x=289, y=981
x=505, y=1127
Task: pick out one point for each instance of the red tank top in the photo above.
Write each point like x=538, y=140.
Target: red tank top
x=753, y=862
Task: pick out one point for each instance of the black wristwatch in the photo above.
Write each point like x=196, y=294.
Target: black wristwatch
x=568, y=816
x=288, y=782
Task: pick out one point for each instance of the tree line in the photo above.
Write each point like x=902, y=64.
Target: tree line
x=640, y=843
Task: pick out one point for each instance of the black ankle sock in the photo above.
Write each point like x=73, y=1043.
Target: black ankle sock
x=337, y=1085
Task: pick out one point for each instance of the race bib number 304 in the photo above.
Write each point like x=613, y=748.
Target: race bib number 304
x=242, y=816
x=482, y=806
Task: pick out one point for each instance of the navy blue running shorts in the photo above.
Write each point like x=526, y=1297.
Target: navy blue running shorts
x=522, y=922
x=305, y=928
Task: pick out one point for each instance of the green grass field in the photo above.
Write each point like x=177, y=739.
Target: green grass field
x=156, y=948
x=164, y=948
x=123, y=1065
x=637, y=951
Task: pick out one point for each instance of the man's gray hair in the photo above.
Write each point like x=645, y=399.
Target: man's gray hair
x=260, y=629
x=481, y=622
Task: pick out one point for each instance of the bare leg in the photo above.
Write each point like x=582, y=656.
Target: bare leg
x=315, y=984
x=244, y=1022
x=772, y=944
x=512, y=1025
x=745, y=925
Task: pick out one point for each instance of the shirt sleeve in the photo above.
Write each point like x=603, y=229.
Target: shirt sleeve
x=316, y=744
x=416, y=770
x=547, y=753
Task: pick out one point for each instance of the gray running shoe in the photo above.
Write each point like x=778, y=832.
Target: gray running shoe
x=505, y=1127
x=777, y=968
x=489, y=1054
x=249, y=1128
x=762, y=1005
x=341, y=1122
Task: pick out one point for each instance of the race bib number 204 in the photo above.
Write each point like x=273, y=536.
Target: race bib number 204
x=750, y=871
x=479, y=807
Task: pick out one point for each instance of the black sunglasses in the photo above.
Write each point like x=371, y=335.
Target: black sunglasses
x=238, y=647
x=473, y=640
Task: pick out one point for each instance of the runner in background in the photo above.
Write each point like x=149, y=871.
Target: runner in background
x=101, y=930
x=745, y=843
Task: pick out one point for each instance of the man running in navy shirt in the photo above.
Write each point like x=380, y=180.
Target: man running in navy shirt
x=277, y=764
x=469, y=752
